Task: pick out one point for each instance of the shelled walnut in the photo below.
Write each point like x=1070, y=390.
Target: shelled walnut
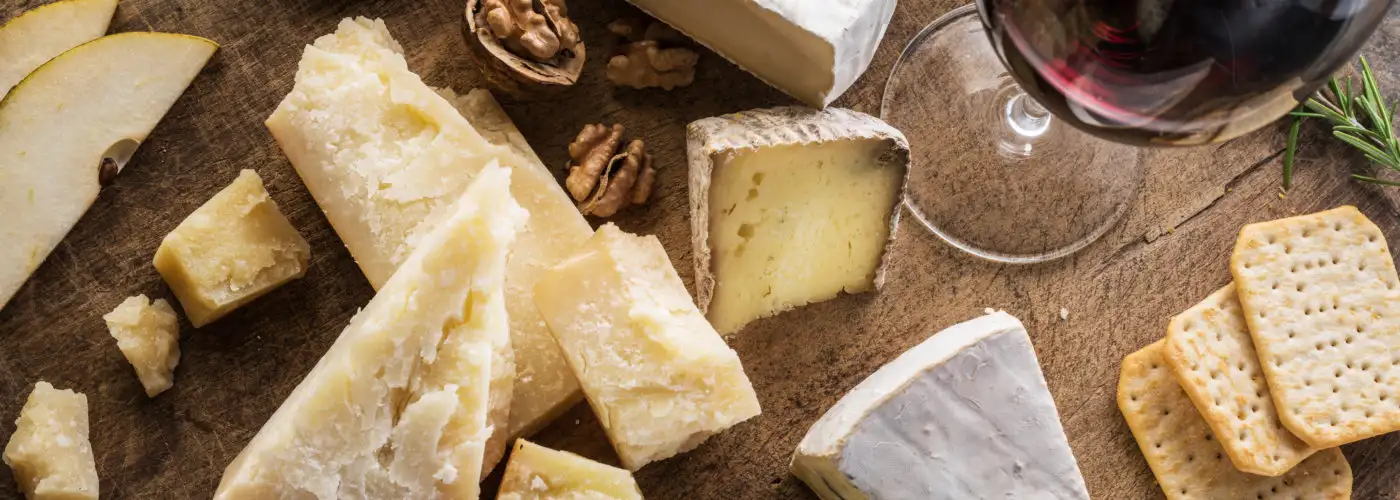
x=524, y=47
x=653, y=55
x=605, y=179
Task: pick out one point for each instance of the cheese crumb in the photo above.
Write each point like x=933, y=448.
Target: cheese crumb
x=1064, y=314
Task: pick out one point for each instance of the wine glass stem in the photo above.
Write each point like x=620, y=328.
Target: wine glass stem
x=1026, y=117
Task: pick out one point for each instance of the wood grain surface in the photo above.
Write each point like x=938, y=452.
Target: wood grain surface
x=1170, y=252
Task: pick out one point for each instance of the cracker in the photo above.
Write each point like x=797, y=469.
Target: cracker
x=1209, y=350
x=1322, y=301
x=1185, y=457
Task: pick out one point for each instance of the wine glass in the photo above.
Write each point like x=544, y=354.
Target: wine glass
x=1026, y=120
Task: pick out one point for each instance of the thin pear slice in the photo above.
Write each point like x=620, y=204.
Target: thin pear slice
x=67, y=119
x=30, y=40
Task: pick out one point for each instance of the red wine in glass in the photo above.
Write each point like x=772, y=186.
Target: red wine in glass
x=1175, y=72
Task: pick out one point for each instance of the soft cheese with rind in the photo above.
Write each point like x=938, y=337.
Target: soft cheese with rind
x=382, y=154
x=812, y=49
x=791, y=206
x=659, y=378
x=538, y=473
x=49, y=451
x=403, y=403
x=965, y=414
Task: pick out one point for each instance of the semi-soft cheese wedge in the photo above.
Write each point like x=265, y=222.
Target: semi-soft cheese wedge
x=403, y=403
x=233, y=249
x=791, y=206
x=30, y=40
x=812, y=49
x=148, y=334
x=382, y=153
x=659, y=378
x=49, y=451
x=538, y=473
x=965, y=414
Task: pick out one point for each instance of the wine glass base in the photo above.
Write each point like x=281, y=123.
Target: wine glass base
x=989, y=177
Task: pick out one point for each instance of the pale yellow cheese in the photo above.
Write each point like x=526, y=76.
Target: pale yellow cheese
x=233, y=249
x=148, y=334
x=659, y=378
x=538, y=473
x=402, y=405
x=382, y=153
x=49, y=451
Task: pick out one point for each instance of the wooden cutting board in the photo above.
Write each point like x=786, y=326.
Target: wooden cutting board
x=1170, y=252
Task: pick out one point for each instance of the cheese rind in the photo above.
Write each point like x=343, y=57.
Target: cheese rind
x=30, y=40
x=965, y=414
x=659, y=378
x=49, y=451
x=812, y=49
x=402, y=404
x=148, y=334
x=382, y=154
x=538, y=473
x=234, y=248
x=791, y=206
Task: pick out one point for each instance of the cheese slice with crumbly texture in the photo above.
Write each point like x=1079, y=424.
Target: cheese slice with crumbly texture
x=234, y=248
x=403, y=403
x=812, y=49
x=49, y=451
x=659, y=378
x=30, y=40
x=148, y=334
x=538, y=473
x=965, y=414
x=382, y=154
x=791, y=206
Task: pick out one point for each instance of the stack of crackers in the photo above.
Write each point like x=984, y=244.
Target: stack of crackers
x=1254, y=388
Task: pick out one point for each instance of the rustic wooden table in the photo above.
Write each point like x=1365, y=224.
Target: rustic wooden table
x=1169, y=252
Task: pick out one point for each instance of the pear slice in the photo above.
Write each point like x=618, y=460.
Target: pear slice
x=71, y=125
x=30, y=40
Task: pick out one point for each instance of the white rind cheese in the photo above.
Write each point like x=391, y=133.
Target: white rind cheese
x=403, y=403
x=966, y=414
x=382, y=154
x=659, y=378
x=812, y=49
x=49, y=451
x=148, y=334
x=538, y=473
x=791, y=206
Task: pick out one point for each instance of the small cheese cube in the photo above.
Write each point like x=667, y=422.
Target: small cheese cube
x=233, y=249
x=538, y=473
x=791, y=206
x=148, y=334
x=659, y=378
x=49, y=451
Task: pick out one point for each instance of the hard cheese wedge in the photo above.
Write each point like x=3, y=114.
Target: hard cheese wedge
x=965, y=414
x=49, y=451
x=403, y=403
x=382, y=154
x=30, y=40
x=812, y=49
x=148, y=334
x=538, y=473
x=233, y=249
x=791, y=206
x=659, y=378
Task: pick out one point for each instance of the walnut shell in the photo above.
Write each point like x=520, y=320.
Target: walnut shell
x=512, y=74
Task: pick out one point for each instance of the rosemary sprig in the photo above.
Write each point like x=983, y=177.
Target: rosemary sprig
x=1360, y=119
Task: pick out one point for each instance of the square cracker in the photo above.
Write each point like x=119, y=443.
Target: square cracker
x=1322, y=301
x=1185, y=457
x=1209, y=350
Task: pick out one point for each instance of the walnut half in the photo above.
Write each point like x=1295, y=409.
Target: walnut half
x=524, y=47
x=605, y=180
x=653, y=55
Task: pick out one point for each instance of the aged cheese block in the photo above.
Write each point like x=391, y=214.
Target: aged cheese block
x=791, y=206
x=812, y=49
x=30, y=40
x=659, y=378
x=538, y=473
x=49, y=451
x=383, y=163
x=403, y=403
x=965, y=414
x=233, y=249
x=148, y=334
